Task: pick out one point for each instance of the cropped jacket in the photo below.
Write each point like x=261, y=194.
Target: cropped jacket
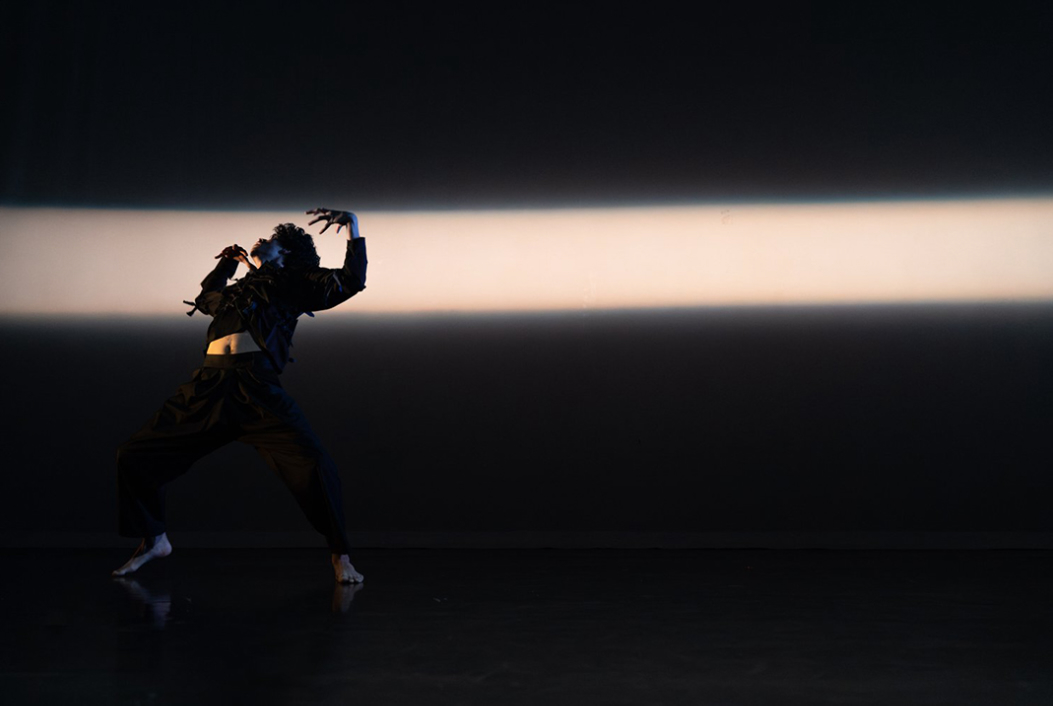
x=270, y=299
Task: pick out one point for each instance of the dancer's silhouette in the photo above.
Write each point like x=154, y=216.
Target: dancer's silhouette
x=236, y=394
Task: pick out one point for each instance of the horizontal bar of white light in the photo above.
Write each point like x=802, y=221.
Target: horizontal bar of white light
x=103, y=262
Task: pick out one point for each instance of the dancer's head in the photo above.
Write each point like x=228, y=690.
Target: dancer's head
x=290, y=247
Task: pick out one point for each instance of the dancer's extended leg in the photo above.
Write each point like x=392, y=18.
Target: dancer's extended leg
x=290, y=447
x=183, y=430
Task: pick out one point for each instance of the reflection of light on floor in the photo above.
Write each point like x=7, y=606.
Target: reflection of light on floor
x=95, y=261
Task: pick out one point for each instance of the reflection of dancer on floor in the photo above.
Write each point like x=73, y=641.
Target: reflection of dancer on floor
x=236, y=395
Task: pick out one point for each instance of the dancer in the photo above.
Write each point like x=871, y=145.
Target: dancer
x=236, y=394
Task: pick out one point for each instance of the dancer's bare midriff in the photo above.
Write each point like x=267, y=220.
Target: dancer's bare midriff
x=233, y=344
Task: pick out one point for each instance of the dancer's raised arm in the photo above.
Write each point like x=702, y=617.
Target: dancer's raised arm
x=208, y=301
x=324, y=287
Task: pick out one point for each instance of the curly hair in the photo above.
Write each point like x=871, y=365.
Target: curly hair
x=300, y=244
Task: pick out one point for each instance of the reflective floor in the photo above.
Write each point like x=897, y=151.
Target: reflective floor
x=529, y=627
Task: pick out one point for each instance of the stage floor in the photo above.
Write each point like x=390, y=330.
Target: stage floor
x=447, y=626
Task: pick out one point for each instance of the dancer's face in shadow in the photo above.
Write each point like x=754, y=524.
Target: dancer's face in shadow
x=268, y=250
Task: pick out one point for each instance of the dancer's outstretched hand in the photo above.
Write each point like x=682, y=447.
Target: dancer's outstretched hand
x=331, y=216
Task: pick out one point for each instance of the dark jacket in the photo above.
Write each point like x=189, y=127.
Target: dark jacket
x=270, y=299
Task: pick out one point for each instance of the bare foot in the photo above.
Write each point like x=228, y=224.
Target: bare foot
x=159, y=546
x=345, y=573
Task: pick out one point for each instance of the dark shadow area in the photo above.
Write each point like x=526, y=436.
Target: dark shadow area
x=824, y=419
x=530, y=626
x=402, y=106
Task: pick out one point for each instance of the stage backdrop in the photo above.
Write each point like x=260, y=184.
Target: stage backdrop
x=546, y=429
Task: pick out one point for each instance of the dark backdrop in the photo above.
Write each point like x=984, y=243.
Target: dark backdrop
x=884, y=419
x=805, y=420
x=392, y=104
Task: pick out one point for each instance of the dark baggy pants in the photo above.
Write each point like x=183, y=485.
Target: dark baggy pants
x=230, y=398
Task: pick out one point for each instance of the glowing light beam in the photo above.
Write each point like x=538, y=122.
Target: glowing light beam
x=85, y=261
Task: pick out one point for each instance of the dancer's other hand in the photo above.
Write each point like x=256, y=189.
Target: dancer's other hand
x=330, y=216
